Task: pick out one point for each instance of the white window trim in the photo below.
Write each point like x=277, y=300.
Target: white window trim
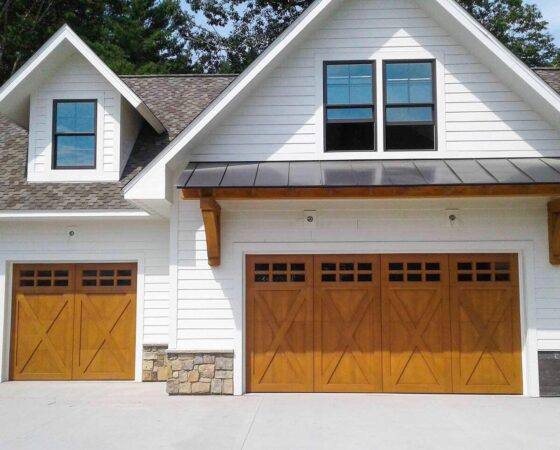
x=379, y=57
x=69, y=175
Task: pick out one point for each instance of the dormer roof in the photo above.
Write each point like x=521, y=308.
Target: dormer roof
x=15, y=93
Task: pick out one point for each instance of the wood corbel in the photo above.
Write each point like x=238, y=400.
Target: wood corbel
x=554, y=231
x=211, y=214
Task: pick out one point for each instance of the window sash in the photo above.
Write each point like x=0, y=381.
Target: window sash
x=338, y=106
x=350, y=120
x=387, y=106
x=56, y=134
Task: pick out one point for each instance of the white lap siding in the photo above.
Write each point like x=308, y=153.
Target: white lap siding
x=99, y=241
x=209, y=300
x=282, y=118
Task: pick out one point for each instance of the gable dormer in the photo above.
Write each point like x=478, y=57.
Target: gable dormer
x=82, y=119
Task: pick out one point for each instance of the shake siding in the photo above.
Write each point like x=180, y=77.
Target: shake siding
x=102, y=241
x=208, y=300
x=281, y=118
x=76, y=79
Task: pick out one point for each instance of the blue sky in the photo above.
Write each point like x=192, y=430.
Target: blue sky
x=551, y=12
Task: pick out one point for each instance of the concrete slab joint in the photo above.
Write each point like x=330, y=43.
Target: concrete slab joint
x=154, y=363
x=200, y=373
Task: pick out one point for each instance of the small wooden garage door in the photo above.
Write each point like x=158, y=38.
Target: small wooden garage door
x=73, y=322
x=383, y=323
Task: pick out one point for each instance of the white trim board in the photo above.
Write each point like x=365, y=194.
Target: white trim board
x=6, y=265
x=87, y=214
x=61, y=45
x=525, y=250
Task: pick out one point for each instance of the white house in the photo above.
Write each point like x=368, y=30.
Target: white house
x=372, y=206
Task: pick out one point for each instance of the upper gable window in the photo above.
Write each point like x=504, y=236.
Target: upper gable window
x=349, y=106
x=410, y=105
x=74, y=135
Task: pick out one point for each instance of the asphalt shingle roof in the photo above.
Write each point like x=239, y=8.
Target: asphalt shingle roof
x=175, y=100
x=551, y=76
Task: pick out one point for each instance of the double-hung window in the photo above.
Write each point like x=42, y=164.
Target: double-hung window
x=410, y=105
x=349, y=106
x=74, y=134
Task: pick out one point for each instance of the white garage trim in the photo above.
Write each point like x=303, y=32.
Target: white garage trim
x=6, y=264
x=524, y=249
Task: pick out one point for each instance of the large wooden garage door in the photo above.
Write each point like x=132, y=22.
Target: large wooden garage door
x=73, y=322
x=389, y=323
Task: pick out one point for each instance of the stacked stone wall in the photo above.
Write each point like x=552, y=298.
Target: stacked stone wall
x=154, y=363
x=200, y=373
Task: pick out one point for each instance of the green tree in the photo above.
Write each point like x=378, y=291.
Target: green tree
x=132, y=36
x=237, y=31
x=519, y=26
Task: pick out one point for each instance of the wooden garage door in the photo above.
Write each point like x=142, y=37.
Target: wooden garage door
x=73, y=322
x=383, y=323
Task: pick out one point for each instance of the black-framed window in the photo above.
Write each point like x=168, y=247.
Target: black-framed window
x=410, y=105
x=74, y=134
x=349, y=92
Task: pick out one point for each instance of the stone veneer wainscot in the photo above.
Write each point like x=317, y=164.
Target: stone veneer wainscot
x=200, y=373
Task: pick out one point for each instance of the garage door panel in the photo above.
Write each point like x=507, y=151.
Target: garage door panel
x=416, y=329
x=104, y=336
x=42, y=322
x=43, y=340
x=280, y=324
x=347, y=324
x=485, y=324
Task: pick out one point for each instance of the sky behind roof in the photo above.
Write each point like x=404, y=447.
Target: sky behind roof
x=551, y=12
x=549, y=8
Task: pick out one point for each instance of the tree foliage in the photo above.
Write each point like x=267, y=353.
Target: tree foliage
x=254, y=24
x=170, y=36
x=518, y=25
x=132, y=36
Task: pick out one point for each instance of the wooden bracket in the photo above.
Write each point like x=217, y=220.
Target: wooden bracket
x=211, y=214
x=554, y=231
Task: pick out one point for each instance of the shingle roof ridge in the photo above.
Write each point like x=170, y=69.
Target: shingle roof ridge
x=182, y=75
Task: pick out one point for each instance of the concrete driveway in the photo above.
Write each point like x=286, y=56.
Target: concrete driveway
x=141, y=416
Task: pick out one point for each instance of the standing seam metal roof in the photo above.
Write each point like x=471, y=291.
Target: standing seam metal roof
x=354, y=173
